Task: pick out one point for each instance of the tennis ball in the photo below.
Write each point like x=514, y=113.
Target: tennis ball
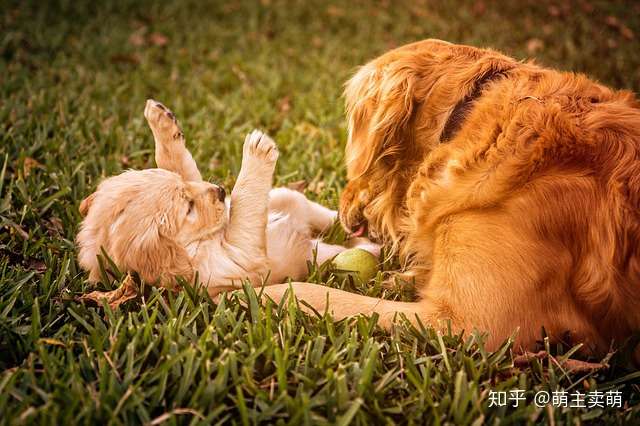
x=356, y=262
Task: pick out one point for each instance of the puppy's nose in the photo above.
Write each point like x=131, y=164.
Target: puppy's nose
x=221, y=194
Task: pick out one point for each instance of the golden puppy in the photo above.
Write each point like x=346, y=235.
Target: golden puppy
x=511, y=193
x=164, y=223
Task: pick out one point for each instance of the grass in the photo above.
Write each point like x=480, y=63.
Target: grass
x=73, y=80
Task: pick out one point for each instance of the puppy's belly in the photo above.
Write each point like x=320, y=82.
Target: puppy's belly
x=288, y=247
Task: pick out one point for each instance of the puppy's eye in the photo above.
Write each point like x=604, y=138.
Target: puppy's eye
x=191, y=204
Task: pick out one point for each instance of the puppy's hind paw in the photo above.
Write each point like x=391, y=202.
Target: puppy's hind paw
x=259, y=146
x=163, y=122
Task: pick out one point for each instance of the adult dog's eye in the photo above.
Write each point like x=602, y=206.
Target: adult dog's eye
x=191, y=203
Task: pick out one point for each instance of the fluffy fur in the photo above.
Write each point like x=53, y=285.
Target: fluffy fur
x=529, y=217
x=166, y=222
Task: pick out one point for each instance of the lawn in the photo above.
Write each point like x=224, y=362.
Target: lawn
x=74, y=77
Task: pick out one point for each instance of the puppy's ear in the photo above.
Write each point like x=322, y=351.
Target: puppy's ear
x=380, y=103
x=161, y=259
x=150, y=250
x=85, y=205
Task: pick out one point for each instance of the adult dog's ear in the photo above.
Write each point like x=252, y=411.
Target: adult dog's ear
x=85, y=204
x=380, y=102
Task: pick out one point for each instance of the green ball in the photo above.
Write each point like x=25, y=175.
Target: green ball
x=356, y=262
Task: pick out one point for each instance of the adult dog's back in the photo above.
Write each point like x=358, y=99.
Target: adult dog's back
x=511, y=192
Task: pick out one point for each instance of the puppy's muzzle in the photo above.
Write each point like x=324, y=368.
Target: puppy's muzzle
x=219, y=193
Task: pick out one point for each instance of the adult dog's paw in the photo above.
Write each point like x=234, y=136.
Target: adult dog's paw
x=258, y=146
x=162, y=121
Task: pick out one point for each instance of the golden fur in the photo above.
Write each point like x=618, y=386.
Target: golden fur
x=529, y=217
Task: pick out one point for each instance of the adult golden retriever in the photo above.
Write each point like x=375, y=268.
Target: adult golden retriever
x=511, y=193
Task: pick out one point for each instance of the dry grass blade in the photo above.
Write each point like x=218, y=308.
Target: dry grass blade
x=574, y=366
x=166, y=416
x=114, y=298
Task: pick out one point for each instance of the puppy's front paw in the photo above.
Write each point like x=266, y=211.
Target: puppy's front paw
x=258, y=146
x=163, y=122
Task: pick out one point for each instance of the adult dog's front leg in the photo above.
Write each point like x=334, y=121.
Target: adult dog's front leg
x=171, y=151
x=342, y=304
x=250, y=197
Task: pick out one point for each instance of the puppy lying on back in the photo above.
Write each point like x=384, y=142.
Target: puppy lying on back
x=167, y=222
